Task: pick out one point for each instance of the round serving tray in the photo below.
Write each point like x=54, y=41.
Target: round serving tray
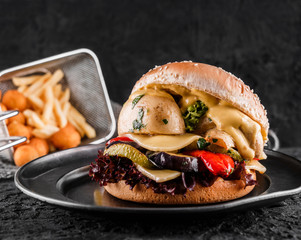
x=61, y=178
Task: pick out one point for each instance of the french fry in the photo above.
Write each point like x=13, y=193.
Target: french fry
x=65, y=108
x=76, y=114
x=75, y=124
x=89, y=130
x=62, y=120
x=54, y=79
x=52, y=120
x=37, y=85
x=57, y=90
x=65, y=96
x=36, y=102
x=81, y=122
x=21, y=81
x=46, y=132
x=22, y=88
x=48, y=107
x=35, y=121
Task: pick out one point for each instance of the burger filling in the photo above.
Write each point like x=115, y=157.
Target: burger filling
x=172, y=138
x=166, y=172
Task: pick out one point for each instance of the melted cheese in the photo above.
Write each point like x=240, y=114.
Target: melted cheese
x=150, y=92
x=255, y=165
x=166, y=143
x=188, y=96
x=226, y=117
x=241, y=127
x=159, y=176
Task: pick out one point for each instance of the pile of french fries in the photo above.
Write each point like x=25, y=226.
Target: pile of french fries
x=51, y=109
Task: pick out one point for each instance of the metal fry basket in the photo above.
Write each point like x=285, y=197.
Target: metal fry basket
x=83, y=75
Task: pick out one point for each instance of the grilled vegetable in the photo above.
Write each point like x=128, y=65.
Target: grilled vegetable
x=217, y=163
x=128, y=151
x=182, y=163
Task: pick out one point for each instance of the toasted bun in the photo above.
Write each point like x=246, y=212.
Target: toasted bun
x=212, y=80
x=222, y=190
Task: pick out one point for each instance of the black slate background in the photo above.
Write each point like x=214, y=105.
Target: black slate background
x=259, y=41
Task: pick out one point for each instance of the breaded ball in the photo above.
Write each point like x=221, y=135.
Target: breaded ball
x=3, y=109
x=30, y=129
x=25, y=154
x=66, y=137
x=18, y=129
x=13, y=99
x=40, y=145
x=18, y=118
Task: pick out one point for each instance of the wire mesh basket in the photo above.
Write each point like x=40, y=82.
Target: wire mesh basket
x=83, y=75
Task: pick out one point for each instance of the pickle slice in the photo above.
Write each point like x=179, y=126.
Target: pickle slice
x=127, y=151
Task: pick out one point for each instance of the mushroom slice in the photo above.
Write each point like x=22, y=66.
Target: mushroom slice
x=220, y=138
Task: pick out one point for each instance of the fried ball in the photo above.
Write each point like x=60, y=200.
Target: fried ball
x=66, y=137
x=18, y=118
x=13, y=99
x=25, y=154
x=30, y=129
x=18, y=129
x=40, y=145
x=3, y=109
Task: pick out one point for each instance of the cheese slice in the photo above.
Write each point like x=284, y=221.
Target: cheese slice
x=255, y=165
x=166, y=143
x=159, y=176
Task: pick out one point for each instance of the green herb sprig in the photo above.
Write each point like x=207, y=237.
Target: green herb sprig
x=136, y=100
x=193, y=114
x=202, y=143
x=137, y=123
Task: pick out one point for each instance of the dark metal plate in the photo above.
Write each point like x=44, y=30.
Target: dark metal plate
x=62, y=178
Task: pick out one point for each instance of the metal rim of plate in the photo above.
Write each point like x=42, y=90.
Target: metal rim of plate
x=60, y=200
x=18, y=71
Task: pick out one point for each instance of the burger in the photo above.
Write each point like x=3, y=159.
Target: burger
x=190, y=133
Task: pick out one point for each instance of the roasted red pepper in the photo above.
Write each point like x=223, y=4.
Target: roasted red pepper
x=121, y=139
x=217, y=163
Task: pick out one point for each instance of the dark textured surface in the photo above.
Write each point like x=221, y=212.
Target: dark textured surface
x=258, y=41
x=23, y=217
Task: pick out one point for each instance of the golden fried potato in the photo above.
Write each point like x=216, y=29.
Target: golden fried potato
x=66, y=137
x=18, y=118
x=13, y=99
x=40, y=145
x=25, y=154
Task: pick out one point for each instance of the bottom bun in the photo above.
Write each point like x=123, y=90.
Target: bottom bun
x=221, y=190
